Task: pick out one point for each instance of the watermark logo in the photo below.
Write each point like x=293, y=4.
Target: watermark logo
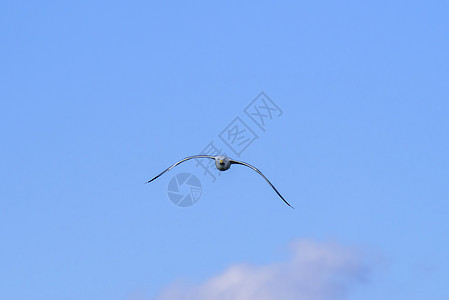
x=184, y=189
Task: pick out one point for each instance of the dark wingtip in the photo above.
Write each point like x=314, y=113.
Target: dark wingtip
x=289, y=204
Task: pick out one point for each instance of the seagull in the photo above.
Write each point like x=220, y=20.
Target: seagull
x=223, y=163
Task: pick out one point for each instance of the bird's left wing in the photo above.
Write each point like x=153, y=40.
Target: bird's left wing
x=255, y=169
x=181, y=161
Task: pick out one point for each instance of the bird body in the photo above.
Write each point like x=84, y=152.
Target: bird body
x=223, y=163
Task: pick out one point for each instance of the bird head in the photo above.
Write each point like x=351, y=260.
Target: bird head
x=221, y=159
x=222, y=162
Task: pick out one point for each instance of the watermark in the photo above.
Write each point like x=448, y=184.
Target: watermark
x=238, y=135
x=208, y=165
x=262, y=110
x=184, y=189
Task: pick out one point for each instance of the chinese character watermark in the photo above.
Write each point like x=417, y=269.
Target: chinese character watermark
x=209, y=165
x=262, y=109
x=238, y=136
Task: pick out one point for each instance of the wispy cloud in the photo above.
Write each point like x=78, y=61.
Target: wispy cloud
x=315, y=271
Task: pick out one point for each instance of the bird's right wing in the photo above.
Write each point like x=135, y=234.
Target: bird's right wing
x=181, y=161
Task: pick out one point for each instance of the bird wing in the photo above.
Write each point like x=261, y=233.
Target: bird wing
x=181, y=161
x=255, y=169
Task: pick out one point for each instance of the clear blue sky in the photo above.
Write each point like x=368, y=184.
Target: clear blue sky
x=97, y=98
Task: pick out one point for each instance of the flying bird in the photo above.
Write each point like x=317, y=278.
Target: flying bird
x=223, y=163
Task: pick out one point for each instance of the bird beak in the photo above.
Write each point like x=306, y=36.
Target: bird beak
x=221, y=161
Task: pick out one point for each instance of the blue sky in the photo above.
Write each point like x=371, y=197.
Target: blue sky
x=99, y=97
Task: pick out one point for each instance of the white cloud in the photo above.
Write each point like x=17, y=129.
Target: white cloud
x=315, y=271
